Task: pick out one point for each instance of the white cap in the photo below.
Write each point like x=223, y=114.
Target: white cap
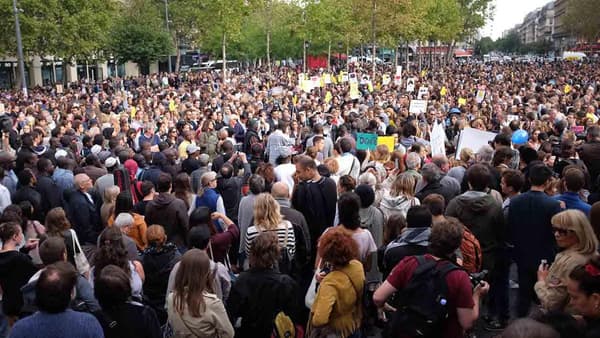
x=110, y=162
x=96, y=149
x=60, y=153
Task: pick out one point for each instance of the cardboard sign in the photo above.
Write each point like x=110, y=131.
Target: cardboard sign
x=462, y=101
x=410, y=85
x=422, y=92
x=399, y=70
x=354, y=93
x=398, y=80
x=473, y=139
x=365, y=141
x=480, y=96
x=387, y=140
x=510, y=118
x=59, y=88
x=417, y=106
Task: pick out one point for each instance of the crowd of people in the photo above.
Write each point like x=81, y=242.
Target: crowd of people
x=192, y=205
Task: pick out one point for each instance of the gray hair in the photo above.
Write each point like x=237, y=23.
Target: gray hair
x=485, y=153
x=123, y=219
x=413, y=160
x=431, y=173
x=368, y=179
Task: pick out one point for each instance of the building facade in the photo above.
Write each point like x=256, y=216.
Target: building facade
x=538, y=25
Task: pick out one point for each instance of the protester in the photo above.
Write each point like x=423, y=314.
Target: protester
x=583, y=287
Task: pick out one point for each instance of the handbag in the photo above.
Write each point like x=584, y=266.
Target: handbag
x=311, y=293
x=81, y=262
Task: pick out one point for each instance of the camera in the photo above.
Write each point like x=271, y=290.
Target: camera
x=477, y=277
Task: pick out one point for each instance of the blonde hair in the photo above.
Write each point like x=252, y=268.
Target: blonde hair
x=403, y=185
x=266, y=212
x=205, y=180
x=381, y=154
x=578, y=222
x=332, y=164
x=110, y=194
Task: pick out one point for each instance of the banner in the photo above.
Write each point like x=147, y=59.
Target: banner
x=474, y=139
x=385, y=79
x=365, y=141
x=417, y=106
x=388, y=141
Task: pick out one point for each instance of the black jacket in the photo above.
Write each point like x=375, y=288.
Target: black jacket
x=15, y=270
x=230, y=190
x=48, y=189
x=129, y=320
x=158, y=263
x=171, y=213
x=436, y=188
x=590, y=154
x=257, y=296
x=28, y=193
x=85, y=216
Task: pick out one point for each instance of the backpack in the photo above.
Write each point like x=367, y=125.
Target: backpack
x=423, y=304
x=283, y=327
x=471, y=251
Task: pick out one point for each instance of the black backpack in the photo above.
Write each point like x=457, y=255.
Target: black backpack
x=422, y=306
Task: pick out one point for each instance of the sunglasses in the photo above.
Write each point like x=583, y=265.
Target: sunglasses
x=562, y=231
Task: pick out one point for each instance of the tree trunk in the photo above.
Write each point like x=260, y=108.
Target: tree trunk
x=396, y=56
x=269, y=16
x=450, y=51
x=420, y=53
x=224, y=50
x=347, y=57
x=177, y=60
x=373, y=38
x=407, y=54
x=329, y=57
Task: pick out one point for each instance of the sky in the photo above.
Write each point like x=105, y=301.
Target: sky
x=508, y=13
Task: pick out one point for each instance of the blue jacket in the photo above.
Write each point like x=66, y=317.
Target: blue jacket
x=573, y=201
x=208, y=199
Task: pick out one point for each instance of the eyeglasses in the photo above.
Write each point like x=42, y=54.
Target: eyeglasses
x=562, y=231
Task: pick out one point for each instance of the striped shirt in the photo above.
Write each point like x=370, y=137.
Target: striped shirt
x=284, y=229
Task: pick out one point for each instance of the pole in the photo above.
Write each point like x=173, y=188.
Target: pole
x=169, y=32
x=373, y=32
x=20, y=49
x=304, y=57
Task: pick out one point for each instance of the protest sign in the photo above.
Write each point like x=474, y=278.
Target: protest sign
x=277, y=91
x=443, y=91
x=387, y=140
x=365, y=141
x=480, y=96
x=352, y=77
x=473, y=139
x=437, y=140
x=343, y=77
x=326, y=78
x=510, y=118
x=399, y=70
x=59, y=88
x=462, y=101
x=422, y=92
x=354, y=93
x=385, y=79
x=410, y=85
x=398, y=80
x=417, y=106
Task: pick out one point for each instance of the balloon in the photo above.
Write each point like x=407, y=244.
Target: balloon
x=520, y=137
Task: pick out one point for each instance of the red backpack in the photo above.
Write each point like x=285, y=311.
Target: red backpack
x=471, y=252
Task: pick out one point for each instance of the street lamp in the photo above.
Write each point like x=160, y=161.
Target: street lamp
x=168, y=32
x=20, y=49
x=304, y=48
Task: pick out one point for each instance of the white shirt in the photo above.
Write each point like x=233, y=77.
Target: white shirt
x=5, y=198
x=285, y=173
x=349, y=165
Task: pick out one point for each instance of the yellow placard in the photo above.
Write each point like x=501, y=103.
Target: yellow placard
x=354, y=93
x=568, y=89
x=133, y=111
x=328, y=97
x=387, y=140
x=172, y=106
x=462, y=101
x=443, y=91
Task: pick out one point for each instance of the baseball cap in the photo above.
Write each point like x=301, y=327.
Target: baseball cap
x=60, y=153
x=96, y=149
x=192, y=148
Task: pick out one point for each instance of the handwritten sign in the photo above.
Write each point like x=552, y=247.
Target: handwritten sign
x=417, y=106
x=365, y=141
x=387, y=140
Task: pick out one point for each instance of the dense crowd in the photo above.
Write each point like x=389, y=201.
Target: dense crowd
x=192, y=205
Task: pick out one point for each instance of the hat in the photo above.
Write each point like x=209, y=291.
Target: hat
x=192, y=148
x=454, y=111
x=60, y=153
x=110, y=162
x=96, y=149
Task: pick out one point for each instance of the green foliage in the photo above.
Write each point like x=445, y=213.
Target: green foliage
x=484, y=46
x=139, y=35
x=511, y=43
x=65, y=28
x=582, y=20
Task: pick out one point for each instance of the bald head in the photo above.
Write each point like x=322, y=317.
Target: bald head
x=82, y=182
x=280, y=190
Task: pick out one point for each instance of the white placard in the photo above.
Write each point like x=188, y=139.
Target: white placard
x=410, y=85
x=473, y=139
x=417, y=106
x=480, y=96
x=398, y=70
x=437, y=139
x=422, y=92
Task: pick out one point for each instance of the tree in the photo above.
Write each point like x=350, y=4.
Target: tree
x=511, y=43
x=139, y=35
x=484, y=46
x=581, y=20
x=184, y=19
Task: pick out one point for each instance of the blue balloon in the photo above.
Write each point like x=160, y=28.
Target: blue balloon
x=520, y=137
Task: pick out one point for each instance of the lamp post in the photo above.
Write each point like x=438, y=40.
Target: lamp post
x=168, y=31
x=304, y=48
x=20, y=49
